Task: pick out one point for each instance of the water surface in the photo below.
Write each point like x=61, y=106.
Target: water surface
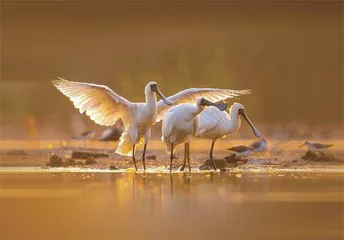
x=92, y=205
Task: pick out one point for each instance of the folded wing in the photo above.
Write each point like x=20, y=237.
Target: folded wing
x=99, y=102
x=190, y=95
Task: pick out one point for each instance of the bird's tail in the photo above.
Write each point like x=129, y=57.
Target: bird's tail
x=125, y=146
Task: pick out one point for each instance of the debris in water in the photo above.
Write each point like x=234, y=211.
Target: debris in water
x=90, y=161
x=319, y=157
x=151, y=157
x=208, y=164
x=86, y=155
x=113, y=167
x=55, y=161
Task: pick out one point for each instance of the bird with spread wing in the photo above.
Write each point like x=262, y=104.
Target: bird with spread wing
x=104, y=107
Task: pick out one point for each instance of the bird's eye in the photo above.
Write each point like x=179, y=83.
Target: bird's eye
x=154, y=86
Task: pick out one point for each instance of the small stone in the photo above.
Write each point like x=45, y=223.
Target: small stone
x=309, y=156
x=220, y=163
x=113, y=167
x=90, y=161
x=151, y=157
x=319, y=157
x=55, y=161
x=231, y=158
x=204, y=167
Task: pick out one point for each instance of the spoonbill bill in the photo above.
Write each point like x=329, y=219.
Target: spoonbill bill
x=104, y=107
x=215, y=124
x=180, y=124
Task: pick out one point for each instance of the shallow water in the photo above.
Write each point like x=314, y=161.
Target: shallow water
x=90, y=205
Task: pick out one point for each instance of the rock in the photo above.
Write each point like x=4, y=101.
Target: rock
x=309, y=156
x=113, y=167
x=319, y=157
x=86, y=155
x=71, y=162
x=231, y=158
x=204, y=167
x=151, y=157
x=220, y=163
x=55, y=161
x=90, y=161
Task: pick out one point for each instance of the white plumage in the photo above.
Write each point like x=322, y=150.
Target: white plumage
x=180, y=124
x=104, y=107
x=215, y=124
x=190, y=95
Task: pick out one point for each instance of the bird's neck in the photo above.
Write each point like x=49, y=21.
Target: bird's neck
x=151, y=100
x=199, y=110
x=234, y=122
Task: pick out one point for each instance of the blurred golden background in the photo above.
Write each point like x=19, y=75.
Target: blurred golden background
x=289, y=53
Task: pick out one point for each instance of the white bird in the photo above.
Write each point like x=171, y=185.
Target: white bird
x=242, y=151
x=316, y=147
x=215, y=124
x=180, y=124
x=104, y=107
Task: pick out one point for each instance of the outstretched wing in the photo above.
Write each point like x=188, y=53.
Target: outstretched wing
x=99, y=102
x=190, y=96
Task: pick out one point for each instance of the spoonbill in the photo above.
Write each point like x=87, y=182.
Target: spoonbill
x=180, y=124
x=215, y=124
x=316, y=146
x=242, y=151
x=104, y=107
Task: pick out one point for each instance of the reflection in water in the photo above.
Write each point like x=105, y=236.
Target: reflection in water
x=171, y=206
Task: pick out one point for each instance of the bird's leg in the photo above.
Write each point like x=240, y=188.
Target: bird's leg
x=188, y=154
x=211, y=154
x=144, y=157
x=134, y=157
x=171, y=157
x=185, y=153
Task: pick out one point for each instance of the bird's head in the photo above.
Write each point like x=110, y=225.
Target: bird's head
x=202, y=102
x=239, y=109
x=305, y=143
x=152, y=87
